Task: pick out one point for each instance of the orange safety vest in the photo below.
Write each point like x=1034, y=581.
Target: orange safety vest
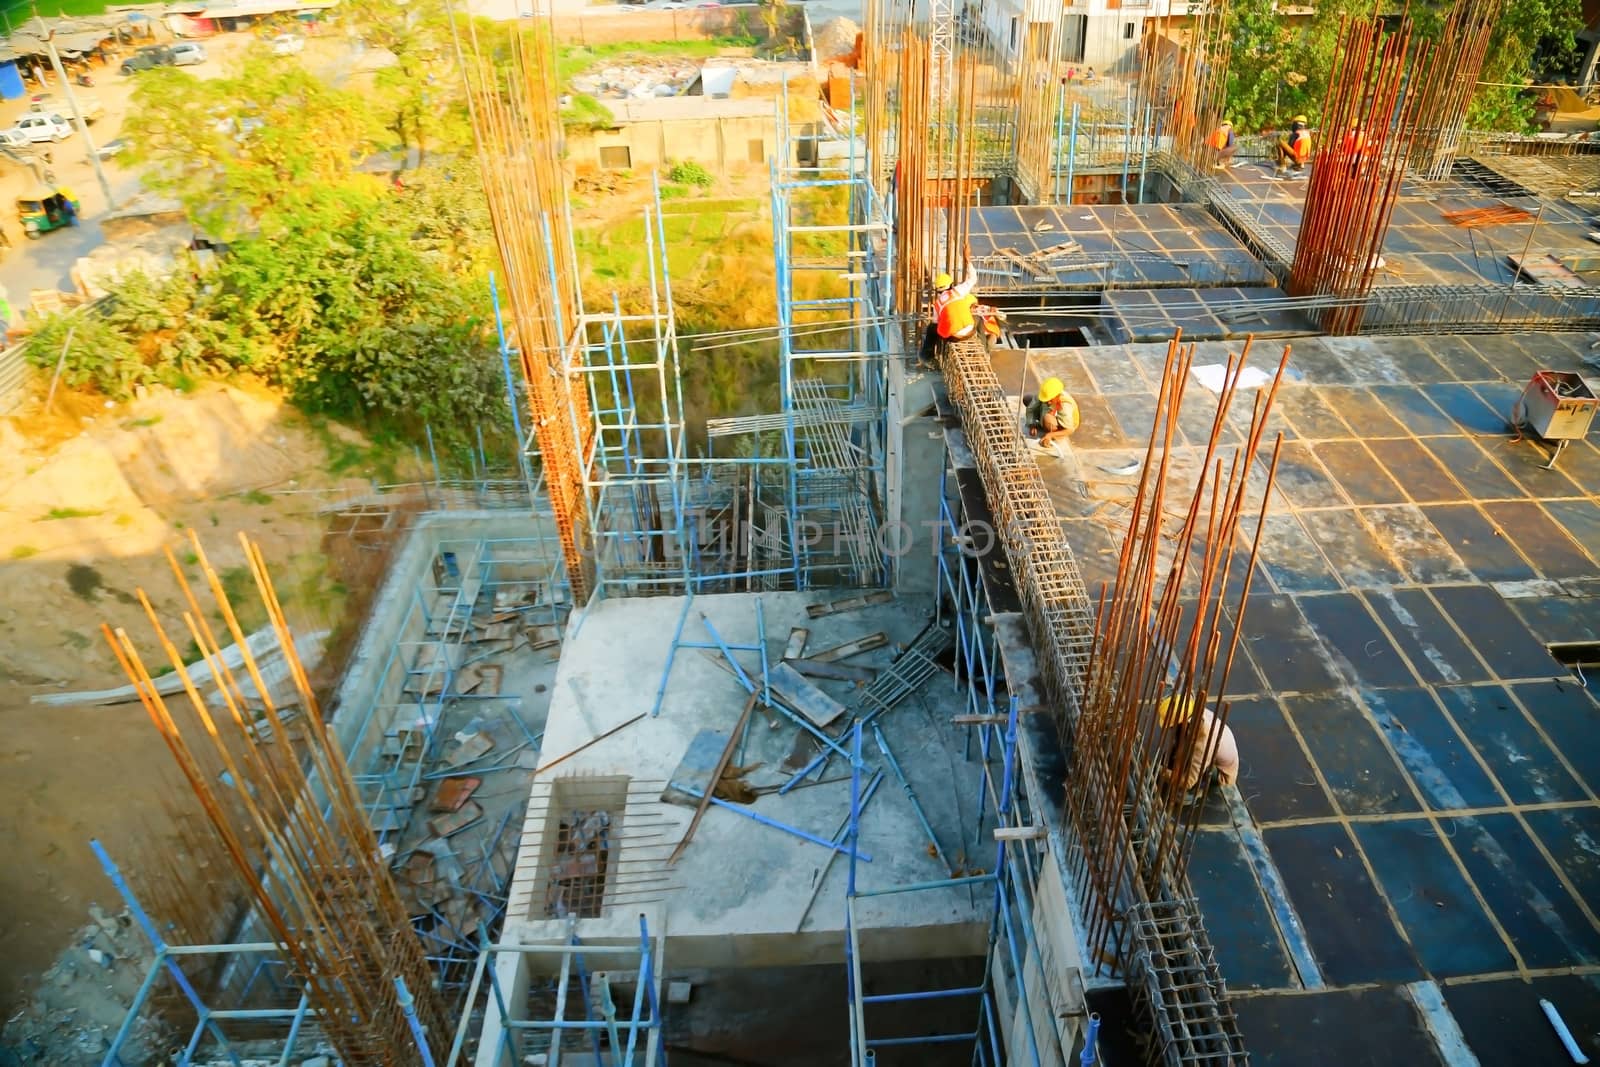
x=1220, y=137
x=955, y=317
x=1300, y=145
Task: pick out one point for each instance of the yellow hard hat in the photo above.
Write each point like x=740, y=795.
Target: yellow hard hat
x=1051, y=388
x=1301, y=118
x=1227, y=122
x=1174, y=710
x=942, y=280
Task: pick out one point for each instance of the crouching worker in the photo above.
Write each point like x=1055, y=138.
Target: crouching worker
x=1215, y=752
x=954, y=312
x=1052, y=417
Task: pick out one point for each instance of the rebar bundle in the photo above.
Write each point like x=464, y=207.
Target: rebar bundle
x=1369, y=123
x=1183, y=76
x=318, y=882
x=1152, y=692
x=517, y=128
x=1442, y=114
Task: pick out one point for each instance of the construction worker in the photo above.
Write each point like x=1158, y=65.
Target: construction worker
x=953, y=317
x=1293, y=150
x=1354, y=144
x=1052, y=416
x=1214, y=749
x=1223, y=143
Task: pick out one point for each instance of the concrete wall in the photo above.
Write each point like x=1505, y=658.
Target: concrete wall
x=720, y=144
x=689, y=24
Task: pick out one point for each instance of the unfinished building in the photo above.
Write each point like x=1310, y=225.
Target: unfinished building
x=847, y=740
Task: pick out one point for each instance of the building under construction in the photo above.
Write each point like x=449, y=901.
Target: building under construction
x=847, y=736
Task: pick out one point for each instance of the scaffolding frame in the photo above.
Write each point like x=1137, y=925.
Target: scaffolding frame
x=832, y=363
x=634, y=1038
x=1020, y=973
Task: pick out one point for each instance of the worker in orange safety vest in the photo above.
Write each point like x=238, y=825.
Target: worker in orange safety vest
x=1293, y=150
x=1224, y=144
x=953, y=316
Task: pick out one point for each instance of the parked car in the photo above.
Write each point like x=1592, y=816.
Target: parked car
x=38, y=127
x=288, y=44
x=13, y=139
x=111, y=148
x=147, y=58
x=188, y=53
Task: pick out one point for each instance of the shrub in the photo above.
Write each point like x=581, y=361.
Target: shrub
x=690, y=173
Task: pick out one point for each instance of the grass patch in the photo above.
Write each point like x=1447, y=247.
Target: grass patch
x=134, y=424
x=123, y=520
x=23, y=552
x=256, y=496
x=379, y=459
x=69, y=513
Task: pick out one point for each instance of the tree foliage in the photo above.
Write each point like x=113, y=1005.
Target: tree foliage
x=1279, y=66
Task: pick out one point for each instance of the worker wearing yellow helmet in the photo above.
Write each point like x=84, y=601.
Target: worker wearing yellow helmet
x=1223, y=145
x=1293, y=150
x=1051, y=417
x=1210, y=748
x=952, y=315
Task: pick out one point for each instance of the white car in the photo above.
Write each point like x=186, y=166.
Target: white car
x=188, y=53
x=38, y=128
x=288, y=44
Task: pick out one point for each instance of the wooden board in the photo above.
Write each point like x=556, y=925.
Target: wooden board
x=802, y=697
x=1544, y=269
x=848, y=648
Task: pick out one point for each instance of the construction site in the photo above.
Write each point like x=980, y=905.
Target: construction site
x=844, y=735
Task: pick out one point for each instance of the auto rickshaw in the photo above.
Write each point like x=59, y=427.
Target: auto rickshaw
x=46, y=208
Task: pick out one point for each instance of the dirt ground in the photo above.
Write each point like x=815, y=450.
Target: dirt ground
x=89, y=498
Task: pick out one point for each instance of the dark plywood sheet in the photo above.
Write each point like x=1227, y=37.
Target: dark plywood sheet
x=1093, y=548
x=1302, y=477
x=1292, y=558
x=1494, y=630
x=1349, y=752
x=1414, y=467
x=1358, y=472
x=1580, y=518
x=1135, y=413
x=1467, y=409
x=1525, y=766
x=1310, y=414
x=1275, y=777
x=1249, y=950
x=1525, y=462
x=1536, y=534
x=1341, y=1028
x=1425, y=636
x=1570, y=836
x=1363, y=561
x=1097, y=428
x=1560, y=619
x=1479, y=542
x=1542, y=919
x=1461, y=361
x=1346, y=923
x=1504, y=1026
x=1360, y=646
x=1431, y=750
x=1415, y=544
x=1569, y=715
x=1448, y=928
x=1285, y=651
x=1242, y=676
x=1114, y=371
x=1367, y=414
x=1411, y=406
x=1470, y=465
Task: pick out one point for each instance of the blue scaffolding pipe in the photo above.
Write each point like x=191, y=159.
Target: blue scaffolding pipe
x=409, y=1007
x=932, y=994
x=163, y=959
x=804, y=835
x=672, y=654
x=911, y=795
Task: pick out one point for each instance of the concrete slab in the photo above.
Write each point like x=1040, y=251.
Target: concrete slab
x=736, y=896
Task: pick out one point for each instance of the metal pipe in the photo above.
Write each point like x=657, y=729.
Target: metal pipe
x=1091, y=1039
x=764, y=820
x=1560, y=1026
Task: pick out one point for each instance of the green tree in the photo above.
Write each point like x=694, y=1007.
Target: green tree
x=232, y=148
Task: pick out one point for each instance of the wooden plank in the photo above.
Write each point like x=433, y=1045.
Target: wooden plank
x=802, y=697
x=848, y=649
x=839, y=672
x=1019, y=833
x=716, y=776
x=797, y=643
x=834, y=607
